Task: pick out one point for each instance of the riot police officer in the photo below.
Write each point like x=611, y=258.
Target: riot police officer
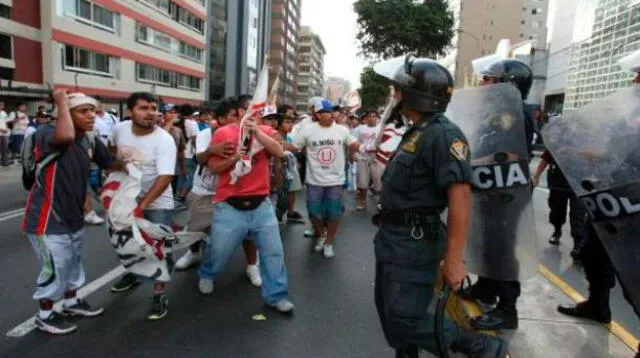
x=504, y=290
x=429, y=172
x=611, y=246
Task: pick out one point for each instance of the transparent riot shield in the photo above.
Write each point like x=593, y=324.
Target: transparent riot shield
x=502, y=242
x=598, y=149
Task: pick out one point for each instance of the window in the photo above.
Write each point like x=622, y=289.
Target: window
x=190, y=20
x=167, y=43
x=95, y=15
x=536, y=11
x=5, y=11
x=81, y=60
x=6, y=48
x=162, y=77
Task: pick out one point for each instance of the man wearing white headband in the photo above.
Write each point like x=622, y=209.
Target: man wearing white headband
x=54, y=216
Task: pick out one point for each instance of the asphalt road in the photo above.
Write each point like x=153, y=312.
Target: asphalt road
x=335, y=315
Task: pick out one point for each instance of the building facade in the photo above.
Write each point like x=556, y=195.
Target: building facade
x=109, y=48
x=247, y=36
x=336, y=88
x=311, y=54
x=283, y=61
x=614, y=33
x=483, y=23
x=21, y=66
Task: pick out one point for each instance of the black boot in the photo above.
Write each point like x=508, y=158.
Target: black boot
x=555, y=237
x=407, y=352
x=588, y=310
x=479, y=292
x=498, y=318
x=476, y=345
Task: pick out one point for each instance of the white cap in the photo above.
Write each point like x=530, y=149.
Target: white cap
x=76, y=100
x=268, y=110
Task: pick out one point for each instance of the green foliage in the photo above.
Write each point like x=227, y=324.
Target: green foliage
x=374, y=89
x=390, y=28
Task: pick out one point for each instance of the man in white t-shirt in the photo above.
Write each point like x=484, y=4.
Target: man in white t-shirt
x=366, y=135
x=105, y=124
x=5, y=132
x=153, y=151
x=324, y=142
x=191, y=130
x=20, y=122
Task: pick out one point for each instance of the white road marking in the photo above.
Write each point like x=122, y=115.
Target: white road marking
x=29, y=325
x=543, y=189
x=8, y=215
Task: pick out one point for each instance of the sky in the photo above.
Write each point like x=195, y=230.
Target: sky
x=335, y=22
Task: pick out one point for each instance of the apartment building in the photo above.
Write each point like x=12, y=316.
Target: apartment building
x=311, y=52
x=20, y=52
x=111, y=48
x=285, y=25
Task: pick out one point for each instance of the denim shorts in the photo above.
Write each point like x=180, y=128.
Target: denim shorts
x=325, y=202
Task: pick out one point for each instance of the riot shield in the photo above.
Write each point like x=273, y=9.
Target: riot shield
x=598, y=149
x=502, y=242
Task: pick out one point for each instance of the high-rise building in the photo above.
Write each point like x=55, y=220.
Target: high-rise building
x=285, y=24
x=106, y=48
x=336, y=88
x=311, y=54
x=607, y=31
x=247, y=36
x=483, y=23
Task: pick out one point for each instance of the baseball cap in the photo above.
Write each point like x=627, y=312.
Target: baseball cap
x=270, y=111
x=323, y=105
x=168, y=107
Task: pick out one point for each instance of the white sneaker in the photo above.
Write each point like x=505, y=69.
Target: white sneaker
x=253, y=274
x=205, y=286
x=188, y=259
x=320, y=244
x=284, y=306
x=93, y=218
x=328, y=251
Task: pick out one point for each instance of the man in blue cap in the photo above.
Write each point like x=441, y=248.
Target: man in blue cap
x=324, y=141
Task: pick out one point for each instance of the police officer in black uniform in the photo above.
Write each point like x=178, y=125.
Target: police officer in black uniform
x=560, y=194
x=430, y=172
x=598, y=268
x=487, y=290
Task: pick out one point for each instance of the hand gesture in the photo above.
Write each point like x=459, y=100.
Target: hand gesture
x=59, y=96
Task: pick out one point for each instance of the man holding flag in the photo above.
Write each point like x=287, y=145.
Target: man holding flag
x=242, y=205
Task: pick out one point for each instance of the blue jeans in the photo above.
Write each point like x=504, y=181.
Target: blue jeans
x=159, y=216
x=230, y=227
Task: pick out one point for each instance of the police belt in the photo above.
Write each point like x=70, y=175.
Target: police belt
x=411, y=218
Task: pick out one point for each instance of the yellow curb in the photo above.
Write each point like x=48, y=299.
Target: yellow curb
x=613, y=327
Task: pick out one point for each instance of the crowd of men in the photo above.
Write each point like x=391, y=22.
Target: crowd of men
x=237, y=171
x=188, y=161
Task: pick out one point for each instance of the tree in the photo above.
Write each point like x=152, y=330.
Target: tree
x=374, y=89
x=390, y=28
